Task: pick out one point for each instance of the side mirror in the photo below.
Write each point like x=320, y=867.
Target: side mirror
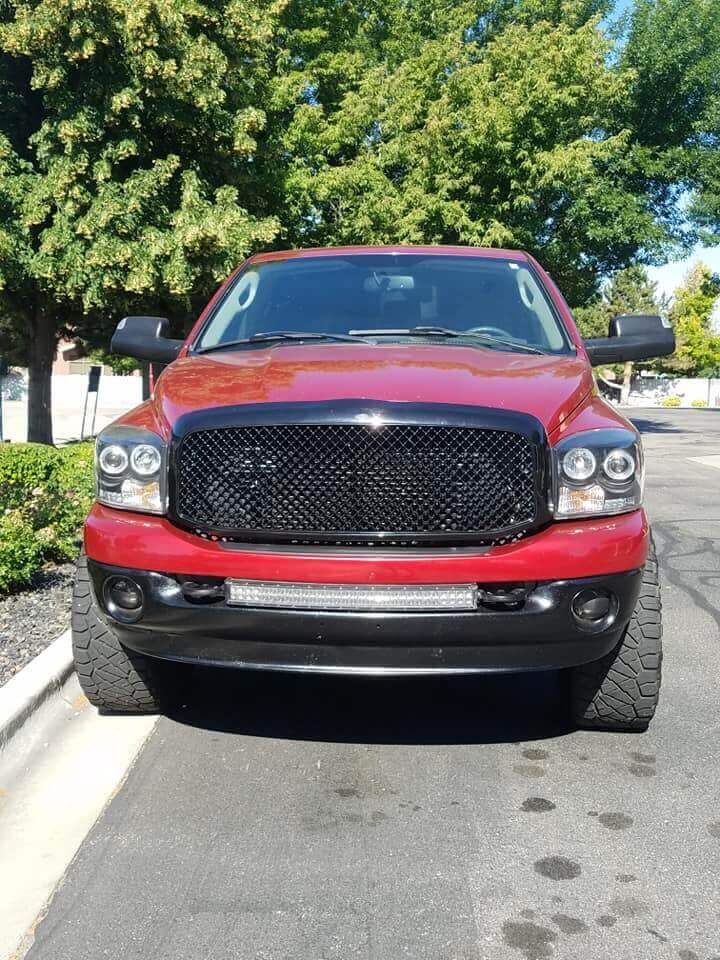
x=145, y=338
x=632, y=337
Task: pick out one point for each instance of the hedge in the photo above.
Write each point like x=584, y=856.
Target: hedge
x=45, y=494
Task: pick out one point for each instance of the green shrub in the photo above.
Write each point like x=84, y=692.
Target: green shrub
x=24, y=467
x=45, y=494
x=671, y=402
x=699, y=403
x=69, y=502
x=21, y=552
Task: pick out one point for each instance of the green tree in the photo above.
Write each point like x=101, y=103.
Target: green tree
x=127, y=139
x=672, y=58
x=518, y=124
x=627, y=291
x=698, y=351
x=147, y=145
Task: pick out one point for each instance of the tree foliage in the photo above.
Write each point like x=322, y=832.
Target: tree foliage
x=627, y=291
x=698, y=352
x=672, y=56
x=146, y=146
x=126, y=161
x=511, y=124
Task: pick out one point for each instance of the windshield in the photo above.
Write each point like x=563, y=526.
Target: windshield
x=377, y=295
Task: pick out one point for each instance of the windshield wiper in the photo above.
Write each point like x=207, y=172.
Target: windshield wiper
x=280, y=335
x=446, y=332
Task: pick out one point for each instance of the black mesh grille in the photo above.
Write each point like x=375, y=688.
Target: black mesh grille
x=323, y=480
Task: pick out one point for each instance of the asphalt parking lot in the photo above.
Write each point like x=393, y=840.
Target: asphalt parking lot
x=290, y=818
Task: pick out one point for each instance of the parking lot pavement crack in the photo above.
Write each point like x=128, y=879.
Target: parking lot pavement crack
x=675, y=549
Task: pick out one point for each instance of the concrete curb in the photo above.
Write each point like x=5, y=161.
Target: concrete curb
x=44, y=676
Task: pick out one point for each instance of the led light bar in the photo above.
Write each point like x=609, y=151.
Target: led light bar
x=328, y=596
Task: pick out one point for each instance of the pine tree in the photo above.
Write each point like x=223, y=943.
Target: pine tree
x=628, y=291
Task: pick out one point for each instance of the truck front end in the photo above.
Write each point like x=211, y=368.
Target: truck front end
x=375, y=498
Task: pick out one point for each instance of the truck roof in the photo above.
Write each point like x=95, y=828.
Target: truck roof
x=442, y=251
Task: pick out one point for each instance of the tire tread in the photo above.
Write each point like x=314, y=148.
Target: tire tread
x=621, y=690
x=112, y=678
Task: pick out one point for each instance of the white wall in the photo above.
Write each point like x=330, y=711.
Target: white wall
x=115, y=393
x=116, y=396
x=650, y=391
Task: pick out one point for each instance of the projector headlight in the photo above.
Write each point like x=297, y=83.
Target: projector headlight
x=131, y=469
x=596, y=473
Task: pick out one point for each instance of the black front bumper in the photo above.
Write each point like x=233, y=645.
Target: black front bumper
x=540, y=634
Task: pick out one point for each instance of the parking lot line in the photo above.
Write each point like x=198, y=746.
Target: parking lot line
x=707, y=461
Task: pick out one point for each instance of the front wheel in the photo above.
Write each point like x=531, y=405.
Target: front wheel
x=621, y=690
x=112, y=678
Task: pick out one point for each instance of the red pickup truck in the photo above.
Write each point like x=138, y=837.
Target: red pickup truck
x=376, y=460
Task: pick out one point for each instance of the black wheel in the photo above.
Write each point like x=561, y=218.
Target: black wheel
x=621, y=691
x=112, y=678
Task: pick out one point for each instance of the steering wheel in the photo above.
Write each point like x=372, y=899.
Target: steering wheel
x=491, y=332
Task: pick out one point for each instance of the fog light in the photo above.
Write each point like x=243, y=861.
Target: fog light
x=592, y=605
x=123, y=598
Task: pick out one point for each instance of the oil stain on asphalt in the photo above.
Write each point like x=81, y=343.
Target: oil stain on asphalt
x=643, y=765
x=537, y=805
x=641, y=770
x=532, y=940
x=615, y=821
x=569, y=925
x=557, y=868
x=529, y=770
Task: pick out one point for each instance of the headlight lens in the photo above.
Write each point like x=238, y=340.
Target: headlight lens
x=113, y=460
x=596, y=473
x=579, y=464
x=130, y=469
x=619, y=465
x=145, y=460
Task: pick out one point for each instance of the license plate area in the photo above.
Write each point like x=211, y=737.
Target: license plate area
x=282, y=595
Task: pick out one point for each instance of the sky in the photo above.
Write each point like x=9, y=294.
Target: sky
x=669, y=276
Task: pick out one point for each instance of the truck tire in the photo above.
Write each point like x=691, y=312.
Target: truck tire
x=112, y=678
x=621, y=690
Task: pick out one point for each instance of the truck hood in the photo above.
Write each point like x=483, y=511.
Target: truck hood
x=549, y=388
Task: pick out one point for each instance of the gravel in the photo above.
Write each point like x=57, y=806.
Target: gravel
x=32, y=619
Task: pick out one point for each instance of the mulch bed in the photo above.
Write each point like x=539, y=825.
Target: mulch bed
x=34, y=617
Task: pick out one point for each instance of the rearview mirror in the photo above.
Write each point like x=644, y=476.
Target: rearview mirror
x=145, y=338
x=632, y=337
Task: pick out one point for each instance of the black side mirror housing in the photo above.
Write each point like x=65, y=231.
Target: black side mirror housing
x=632, y=337
x=145, y=338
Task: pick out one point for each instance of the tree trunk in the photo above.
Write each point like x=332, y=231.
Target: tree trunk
x=40, y=360
x=627, y=379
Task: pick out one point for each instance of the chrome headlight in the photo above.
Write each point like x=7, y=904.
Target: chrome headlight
x=596, y=473
x=131, y=469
